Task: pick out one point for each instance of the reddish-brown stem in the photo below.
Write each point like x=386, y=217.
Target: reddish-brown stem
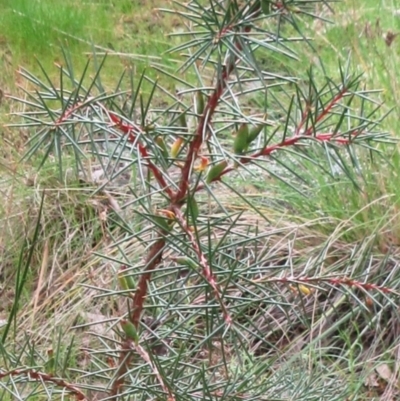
x=126, y=354
x=206, y=117
x=153, y=260
x=125, y=359
x=288, y=142
x=319, y=118
x=132, y=131
x=71, y=110
x=303, y=119
x=294, y=139
x=336, y=281
x=326, y=110
x=45, y=377
x=322, y=137
x=203, y=262
x=145, y=356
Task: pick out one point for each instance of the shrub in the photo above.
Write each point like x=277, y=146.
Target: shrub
x=210, y=305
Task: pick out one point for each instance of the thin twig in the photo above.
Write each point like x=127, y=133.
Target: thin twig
x=203, y=262
x=205, y=119
x=336, y=281
x=326, y=137
x=146, y=357
x=132, y=131
x=45, y=377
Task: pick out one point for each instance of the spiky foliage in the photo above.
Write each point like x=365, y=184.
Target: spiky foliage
x=210, y=302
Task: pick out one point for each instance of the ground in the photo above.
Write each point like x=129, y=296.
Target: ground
x=338, y=229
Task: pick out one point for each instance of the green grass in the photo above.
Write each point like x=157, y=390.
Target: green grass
x=36, y=30
x=35, y=27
